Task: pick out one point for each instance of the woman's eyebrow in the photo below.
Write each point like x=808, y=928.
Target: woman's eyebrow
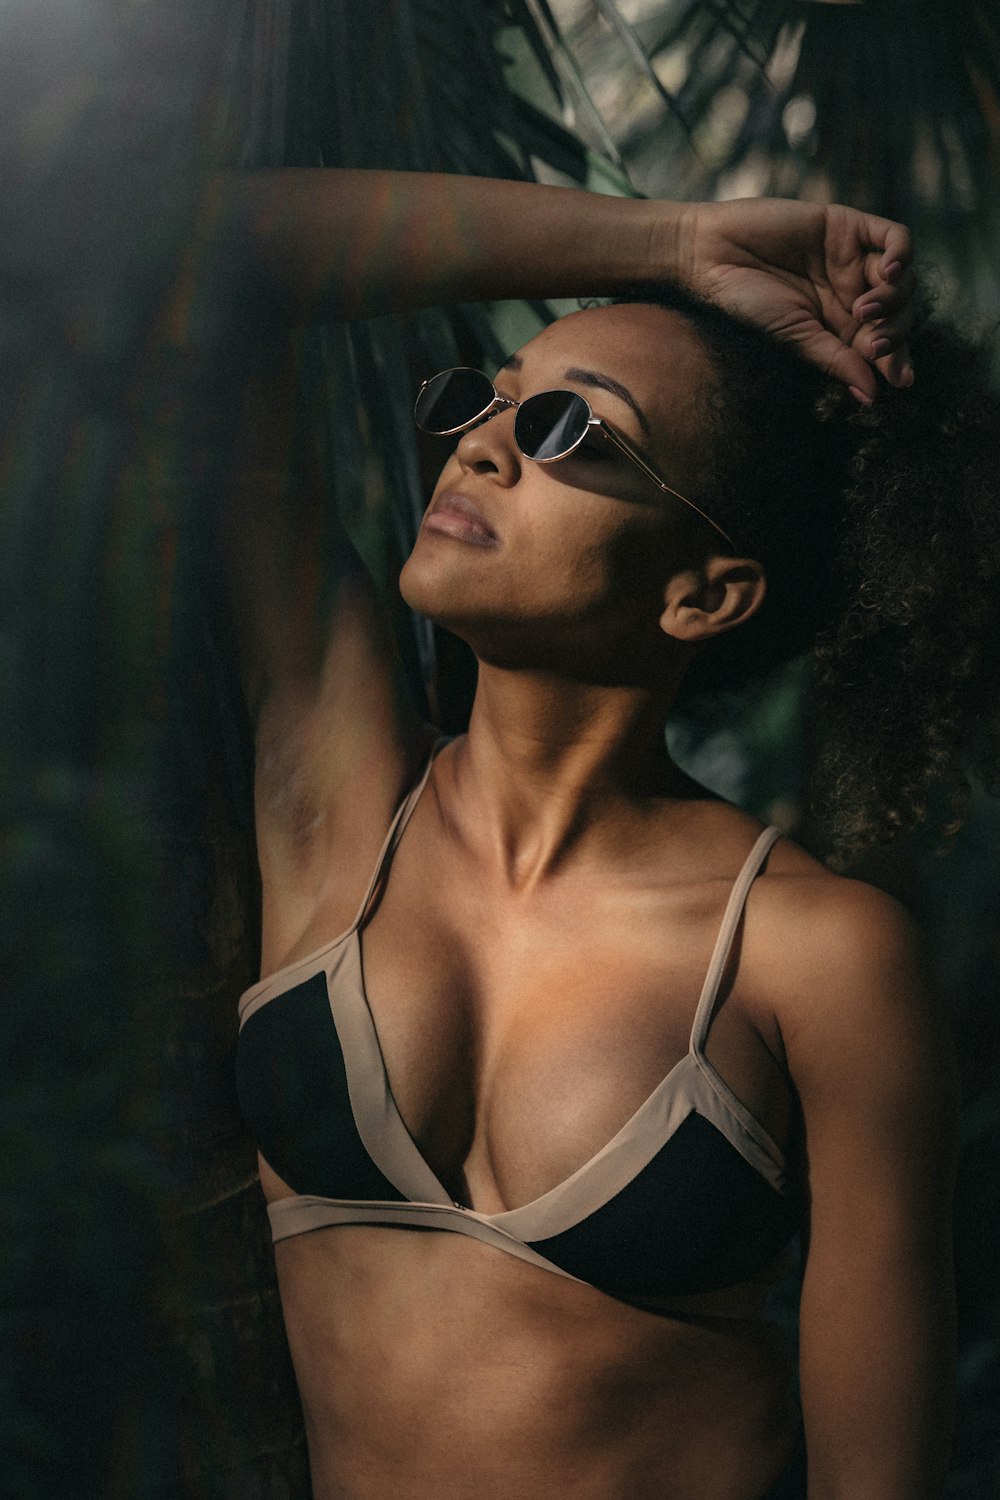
x=615, y=387
x=594, y=378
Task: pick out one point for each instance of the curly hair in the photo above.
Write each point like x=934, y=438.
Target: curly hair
x=879, y=530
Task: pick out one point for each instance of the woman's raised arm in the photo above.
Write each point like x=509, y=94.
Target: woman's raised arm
x=333, y=243
x=337, y=737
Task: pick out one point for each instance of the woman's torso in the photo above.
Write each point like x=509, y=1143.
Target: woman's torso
x=520, y=1031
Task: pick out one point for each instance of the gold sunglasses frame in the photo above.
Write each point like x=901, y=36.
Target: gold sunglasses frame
x=627, y=449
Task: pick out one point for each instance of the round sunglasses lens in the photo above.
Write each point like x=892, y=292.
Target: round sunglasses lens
x=551, y=424
x=452, y=400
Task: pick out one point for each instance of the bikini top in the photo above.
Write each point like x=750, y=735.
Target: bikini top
x=688, y=1198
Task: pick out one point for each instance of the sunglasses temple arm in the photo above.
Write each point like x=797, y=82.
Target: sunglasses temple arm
x=624, y=446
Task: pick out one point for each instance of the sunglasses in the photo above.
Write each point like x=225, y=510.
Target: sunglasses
x=547, y=427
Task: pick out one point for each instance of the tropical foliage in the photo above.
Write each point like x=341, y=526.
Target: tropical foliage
x=145, y=1354
x=891, y=106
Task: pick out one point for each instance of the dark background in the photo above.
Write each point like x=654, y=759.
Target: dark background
x=142, y=1348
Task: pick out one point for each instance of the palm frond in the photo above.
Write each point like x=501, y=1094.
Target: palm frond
x=894, y=107
x=634, y=50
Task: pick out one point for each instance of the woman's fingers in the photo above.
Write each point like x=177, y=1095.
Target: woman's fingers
x=897, y=367
x=846, y=364
x=884, y=342
x=884, y=299
x=878, y=346
x=887, y=334
x=892, y=244
x=885, y=309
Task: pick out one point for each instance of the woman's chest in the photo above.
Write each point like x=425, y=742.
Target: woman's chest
x=519, y=1036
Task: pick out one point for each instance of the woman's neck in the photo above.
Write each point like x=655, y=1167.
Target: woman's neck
x=550, y=765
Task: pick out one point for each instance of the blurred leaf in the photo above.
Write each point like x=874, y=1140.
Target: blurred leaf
x=893, y=105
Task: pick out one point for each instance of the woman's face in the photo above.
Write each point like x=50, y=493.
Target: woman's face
x=564, y=564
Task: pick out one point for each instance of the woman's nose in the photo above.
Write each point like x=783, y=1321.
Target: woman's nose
x=490, y=448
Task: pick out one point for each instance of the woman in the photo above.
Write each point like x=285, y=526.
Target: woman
x=528, y=1189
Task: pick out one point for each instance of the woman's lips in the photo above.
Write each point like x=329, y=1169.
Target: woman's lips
x=457, y=516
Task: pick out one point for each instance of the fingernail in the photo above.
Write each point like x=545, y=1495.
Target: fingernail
x=892, y=269
x=859, y=395
x=906, y=374
x=880, y=347
x=870, y=310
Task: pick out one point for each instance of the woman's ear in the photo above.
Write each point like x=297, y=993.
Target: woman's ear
x=702, y=602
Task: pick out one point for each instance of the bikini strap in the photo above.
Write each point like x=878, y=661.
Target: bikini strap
x=400, y=819
x=724, y=942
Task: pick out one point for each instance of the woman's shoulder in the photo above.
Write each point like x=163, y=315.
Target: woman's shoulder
x=841, y=967
x=820, y=953
x=795, y=890
x=833, y=924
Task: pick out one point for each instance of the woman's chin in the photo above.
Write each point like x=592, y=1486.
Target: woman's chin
x=430, y=587
x=416, y=585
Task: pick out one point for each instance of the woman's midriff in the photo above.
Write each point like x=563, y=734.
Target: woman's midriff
x=431, y=1365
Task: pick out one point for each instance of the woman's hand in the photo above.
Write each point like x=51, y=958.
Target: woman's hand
x=834, y=281
x=332, y=243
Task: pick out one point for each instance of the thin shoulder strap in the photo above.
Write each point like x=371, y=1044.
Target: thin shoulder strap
x=724, y=942
x=400, y=819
